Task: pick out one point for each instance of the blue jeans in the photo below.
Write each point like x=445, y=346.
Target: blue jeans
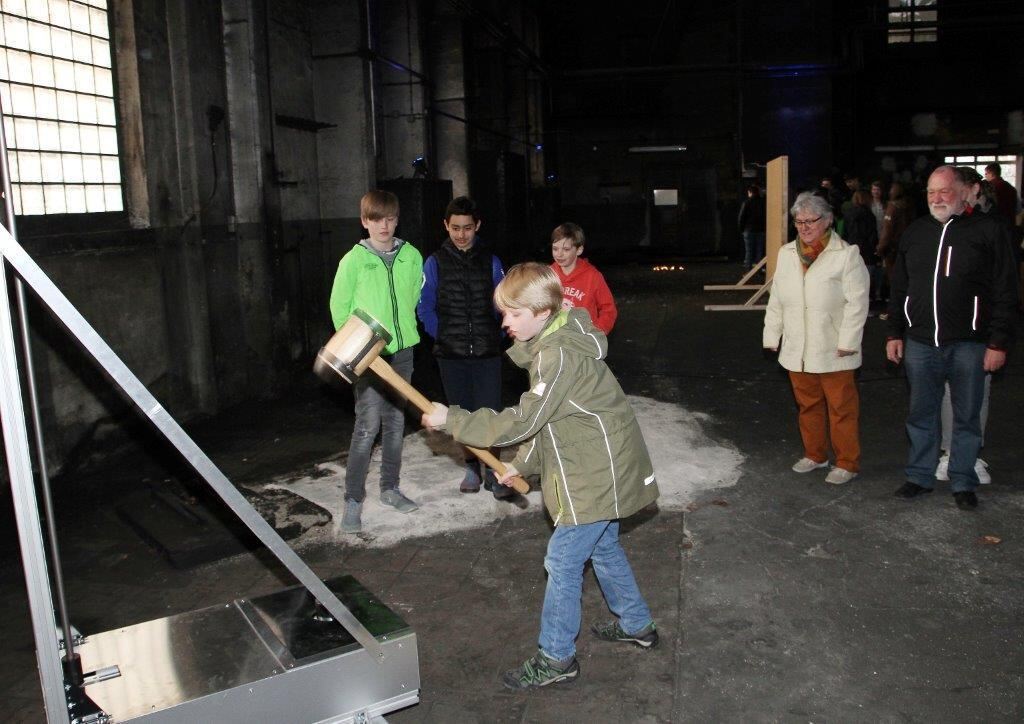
x=376, y=412
x=928, y=370
x=753, y=248
x=568, y=551
x=947, y=414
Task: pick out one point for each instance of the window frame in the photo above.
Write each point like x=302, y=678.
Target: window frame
x=88, y=221
x=913, y=28
x=979, y=159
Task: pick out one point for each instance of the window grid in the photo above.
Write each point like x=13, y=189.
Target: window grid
x=57, y=94
x=1007, y=164
x=913, y=21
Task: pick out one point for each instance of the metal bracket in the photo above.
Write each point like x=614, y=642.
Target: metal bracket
x=79, y=327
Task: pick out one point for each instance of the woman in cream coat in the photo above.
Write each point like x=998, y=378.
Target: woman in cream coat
x=818, y=305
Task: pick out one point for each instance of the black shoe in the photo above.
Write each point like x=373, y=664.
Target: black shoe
x=966, y=500
x=911, y=490
x=503, y=492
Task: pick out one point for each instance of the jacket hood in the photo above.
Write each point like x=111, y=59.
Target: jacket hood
x=571, y=330
x=365, y=243
x=582, y=268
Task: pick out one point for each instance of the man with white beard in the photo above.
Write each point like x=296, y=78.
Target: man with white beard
x=951, y=319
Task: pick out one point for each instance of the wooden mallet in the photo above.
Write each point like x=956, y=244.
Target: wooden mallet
x=356, y=347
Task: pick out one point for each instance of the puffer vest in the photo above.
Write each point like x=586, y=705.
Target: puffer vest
x=466, y=325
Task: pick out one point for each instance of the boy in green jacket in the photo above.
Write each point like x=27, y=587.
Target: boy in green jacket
x=380, y=275
x=578, y=433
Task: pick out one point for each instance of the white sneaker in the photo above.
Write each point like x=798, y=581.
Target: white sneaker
x=806, y=465
x=980, y=467
x=839, y=476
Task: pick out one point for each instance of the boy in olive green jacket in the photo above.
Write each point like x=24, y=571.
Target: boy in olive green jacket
x=382, y=276
x=578, y=433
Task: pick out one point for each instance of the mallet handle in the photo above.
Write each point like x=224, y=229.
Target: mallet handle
x=388, y=374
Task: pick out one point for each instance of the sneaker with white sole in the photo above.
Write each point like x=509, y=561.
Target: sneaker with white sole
x=981, y=468
x=394, y=498
x=645, y=638
x=839, y=476
x=540, y=670
x=806, y=465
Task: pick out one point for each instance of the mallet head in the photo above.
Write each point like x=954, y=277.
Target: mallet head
x=352, y=348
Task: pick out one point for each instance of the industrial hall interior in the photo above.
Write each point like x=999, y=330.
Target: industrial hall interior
x=524, y=361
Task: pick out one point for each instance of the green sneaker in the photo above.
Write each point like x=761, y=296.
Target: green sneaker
x=540, y=671
x=645, y=638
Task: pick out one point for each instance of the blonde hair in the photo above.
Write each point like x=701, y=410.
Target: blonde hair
x=377, y=204
x=530, y=286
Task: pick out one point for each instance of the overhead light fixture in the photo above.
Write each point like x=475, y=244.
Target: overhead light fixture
x=942, y=147
x=656, y=149
x=966, y=146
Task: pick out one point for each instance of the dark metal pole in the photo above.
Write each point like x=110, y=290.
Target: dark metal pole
x=70, y=658
x=26, y=509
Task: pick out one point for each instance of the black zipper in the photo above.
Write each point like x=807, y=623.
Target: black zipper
x=394, y=299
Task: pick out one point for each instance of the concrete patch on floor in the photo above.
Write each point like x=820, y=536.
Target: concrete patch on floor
x=687, y=462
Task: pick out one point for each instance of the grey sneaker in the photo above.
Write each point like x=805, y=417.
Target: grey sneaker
x=351, y=517
x=394, y=498
x=645, y=638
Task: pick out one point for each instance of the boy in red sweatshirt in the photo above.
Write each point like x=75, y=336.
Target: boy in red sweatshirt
x=582, y=284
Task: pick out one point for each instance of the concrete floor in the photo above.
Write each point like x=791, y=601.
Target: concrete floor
x=779, y=599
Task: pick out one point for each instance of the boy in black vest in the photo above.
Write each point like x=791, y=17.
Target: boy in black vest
x=457, y=309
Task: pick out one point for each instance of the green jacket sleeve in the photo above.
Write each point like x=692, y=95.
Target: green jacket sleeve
x=343, y=291
x=555, y=378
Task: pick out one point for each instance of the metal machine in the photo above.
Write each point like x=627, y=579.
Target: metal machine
x=319, y=652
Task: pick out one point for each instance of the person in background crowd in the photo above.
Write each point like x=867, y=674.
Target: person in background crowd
x=878, y=204
x=1007, y=200
x=834, y=196
x=898, y=215
x=752, y=226
x=862, y=232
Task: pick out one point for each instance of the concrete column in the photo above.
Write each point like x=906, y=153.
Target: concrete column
x=184, y=265
x=244, y=264
x=345, y=152
x=447, y=60
x=402, y=94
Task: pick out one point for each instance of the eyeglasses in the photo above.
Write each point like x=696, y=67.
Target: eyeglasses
x=803, y=224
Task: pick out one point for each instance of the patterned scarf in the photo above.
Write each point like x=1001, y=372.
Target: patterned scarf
x=809, y=252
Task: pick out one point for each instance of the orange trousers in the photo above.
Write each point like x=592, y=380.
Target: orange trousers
x=828, y=401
